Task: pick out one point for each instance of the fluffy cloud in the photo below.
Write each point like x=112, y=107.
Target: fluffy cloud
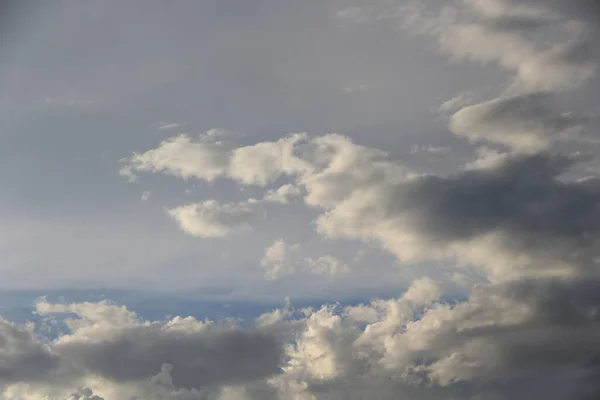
x=182, y=356
x=530, y=331
x=516, y=340
x=84, y=394
x=518, y=218
x=515, y=36
x=524, y=122
x=21, y=357
x=212, y=219
x=180, y=156
x=512, y=206
x=278, y=259
x=208, y=158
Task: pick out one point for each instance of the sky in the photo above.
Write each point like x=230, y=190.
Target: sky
x=300, y=200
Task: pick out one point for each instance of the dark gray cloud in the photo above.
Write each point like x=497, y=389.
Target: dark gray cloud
x=267, y=66
x=84, y=394
x=529, y=339
x=181, y=358
x=517, y=215
x=22, y=358
x=540, y=336
x=197, y=359
x=522, y=195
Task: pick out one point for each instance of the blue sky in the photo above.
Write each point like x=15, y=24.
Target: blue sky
x=250, y=164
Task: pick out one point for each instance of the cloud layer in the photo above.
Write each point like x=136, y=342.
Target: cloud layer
x=515, y=340
x=520, y=216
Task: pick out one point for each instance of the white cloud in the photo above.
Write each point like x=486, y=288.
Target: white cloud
x=515, y=36
x=364, y=195
x=282, y=194
x=415, y=345
x=182, y=157
x=263, y=163
x=207, y=159
x=211, y=219
x=524, y=122
x=278, y=260
x=486, y=158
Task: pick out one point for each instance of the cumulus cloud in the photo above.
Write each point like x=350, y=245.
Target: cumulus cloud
x=513, y=206
x=506, y=342
x=183, y=356
x=529, y=331
x=207, y=158
x=212, y=219
x=523, y=122
x=84, y=394
x=517, y=218
x=22, y=358
x=515, y=340
x=182, y=157
x=514, y=35
x=278, y=259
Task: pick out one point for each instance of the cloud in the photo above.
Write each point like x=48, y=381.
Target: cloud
x=210, y=219
x=513, y=35
x=84, y=394
x=514, y=340
x=111, y=342
x=507, y=333
x=456, y=103
x=282, y=194
x=207, y=159
x=431, y=153
x=510, y=341
x=264, y=162
x=523, y=122
x=146, y=195
x=182, y=157
x=22, y=358
x=168, y=126
x=282, y=259
x=487, y=158
x=517, y=218
x=278, y=259
x=513, y=206
x=326, y=265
